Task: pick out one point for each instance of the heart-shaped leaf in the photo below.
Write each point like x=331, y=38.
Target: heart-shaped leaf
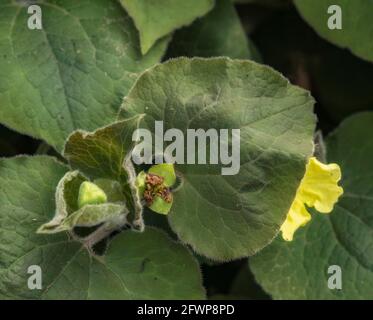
x=354, y=30
x=156, y=19
x=219, y=33
x=73, y=73
x=136, y=266
x=226, y=217
x=304, y=268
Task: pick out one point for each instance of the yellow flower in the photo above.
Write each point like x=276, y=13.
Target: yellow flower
x=319, y=189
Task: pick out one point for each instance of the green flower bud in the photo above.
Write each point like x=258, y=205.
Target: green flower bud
x=89, y=193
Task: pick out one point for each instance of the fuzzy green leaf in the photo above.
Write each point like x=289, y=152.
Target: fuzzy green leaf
x=299, y=269
x=90, y=216
x=73, y=73
x=227, y=217
x=102, y=153
x=156, y=19
x=105, y=154
x=67, y=193
x=134, y=265
x=80, y=203
x=356, y=31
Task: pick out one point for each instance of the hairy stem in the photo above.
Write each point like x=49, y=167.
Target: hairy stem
x=104, y=231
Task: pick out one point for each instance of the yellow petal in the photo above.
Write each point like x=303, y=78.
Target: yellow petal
x=319, y=189
x=297, y=216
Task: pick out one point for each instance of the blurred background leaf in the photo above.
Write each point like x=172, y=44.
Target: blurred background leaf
x=341, y=82
x=354, y=18
x=219, y=33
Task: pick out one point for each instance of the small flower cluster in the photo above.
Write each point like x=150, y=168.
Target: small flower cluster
x=154, y=186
